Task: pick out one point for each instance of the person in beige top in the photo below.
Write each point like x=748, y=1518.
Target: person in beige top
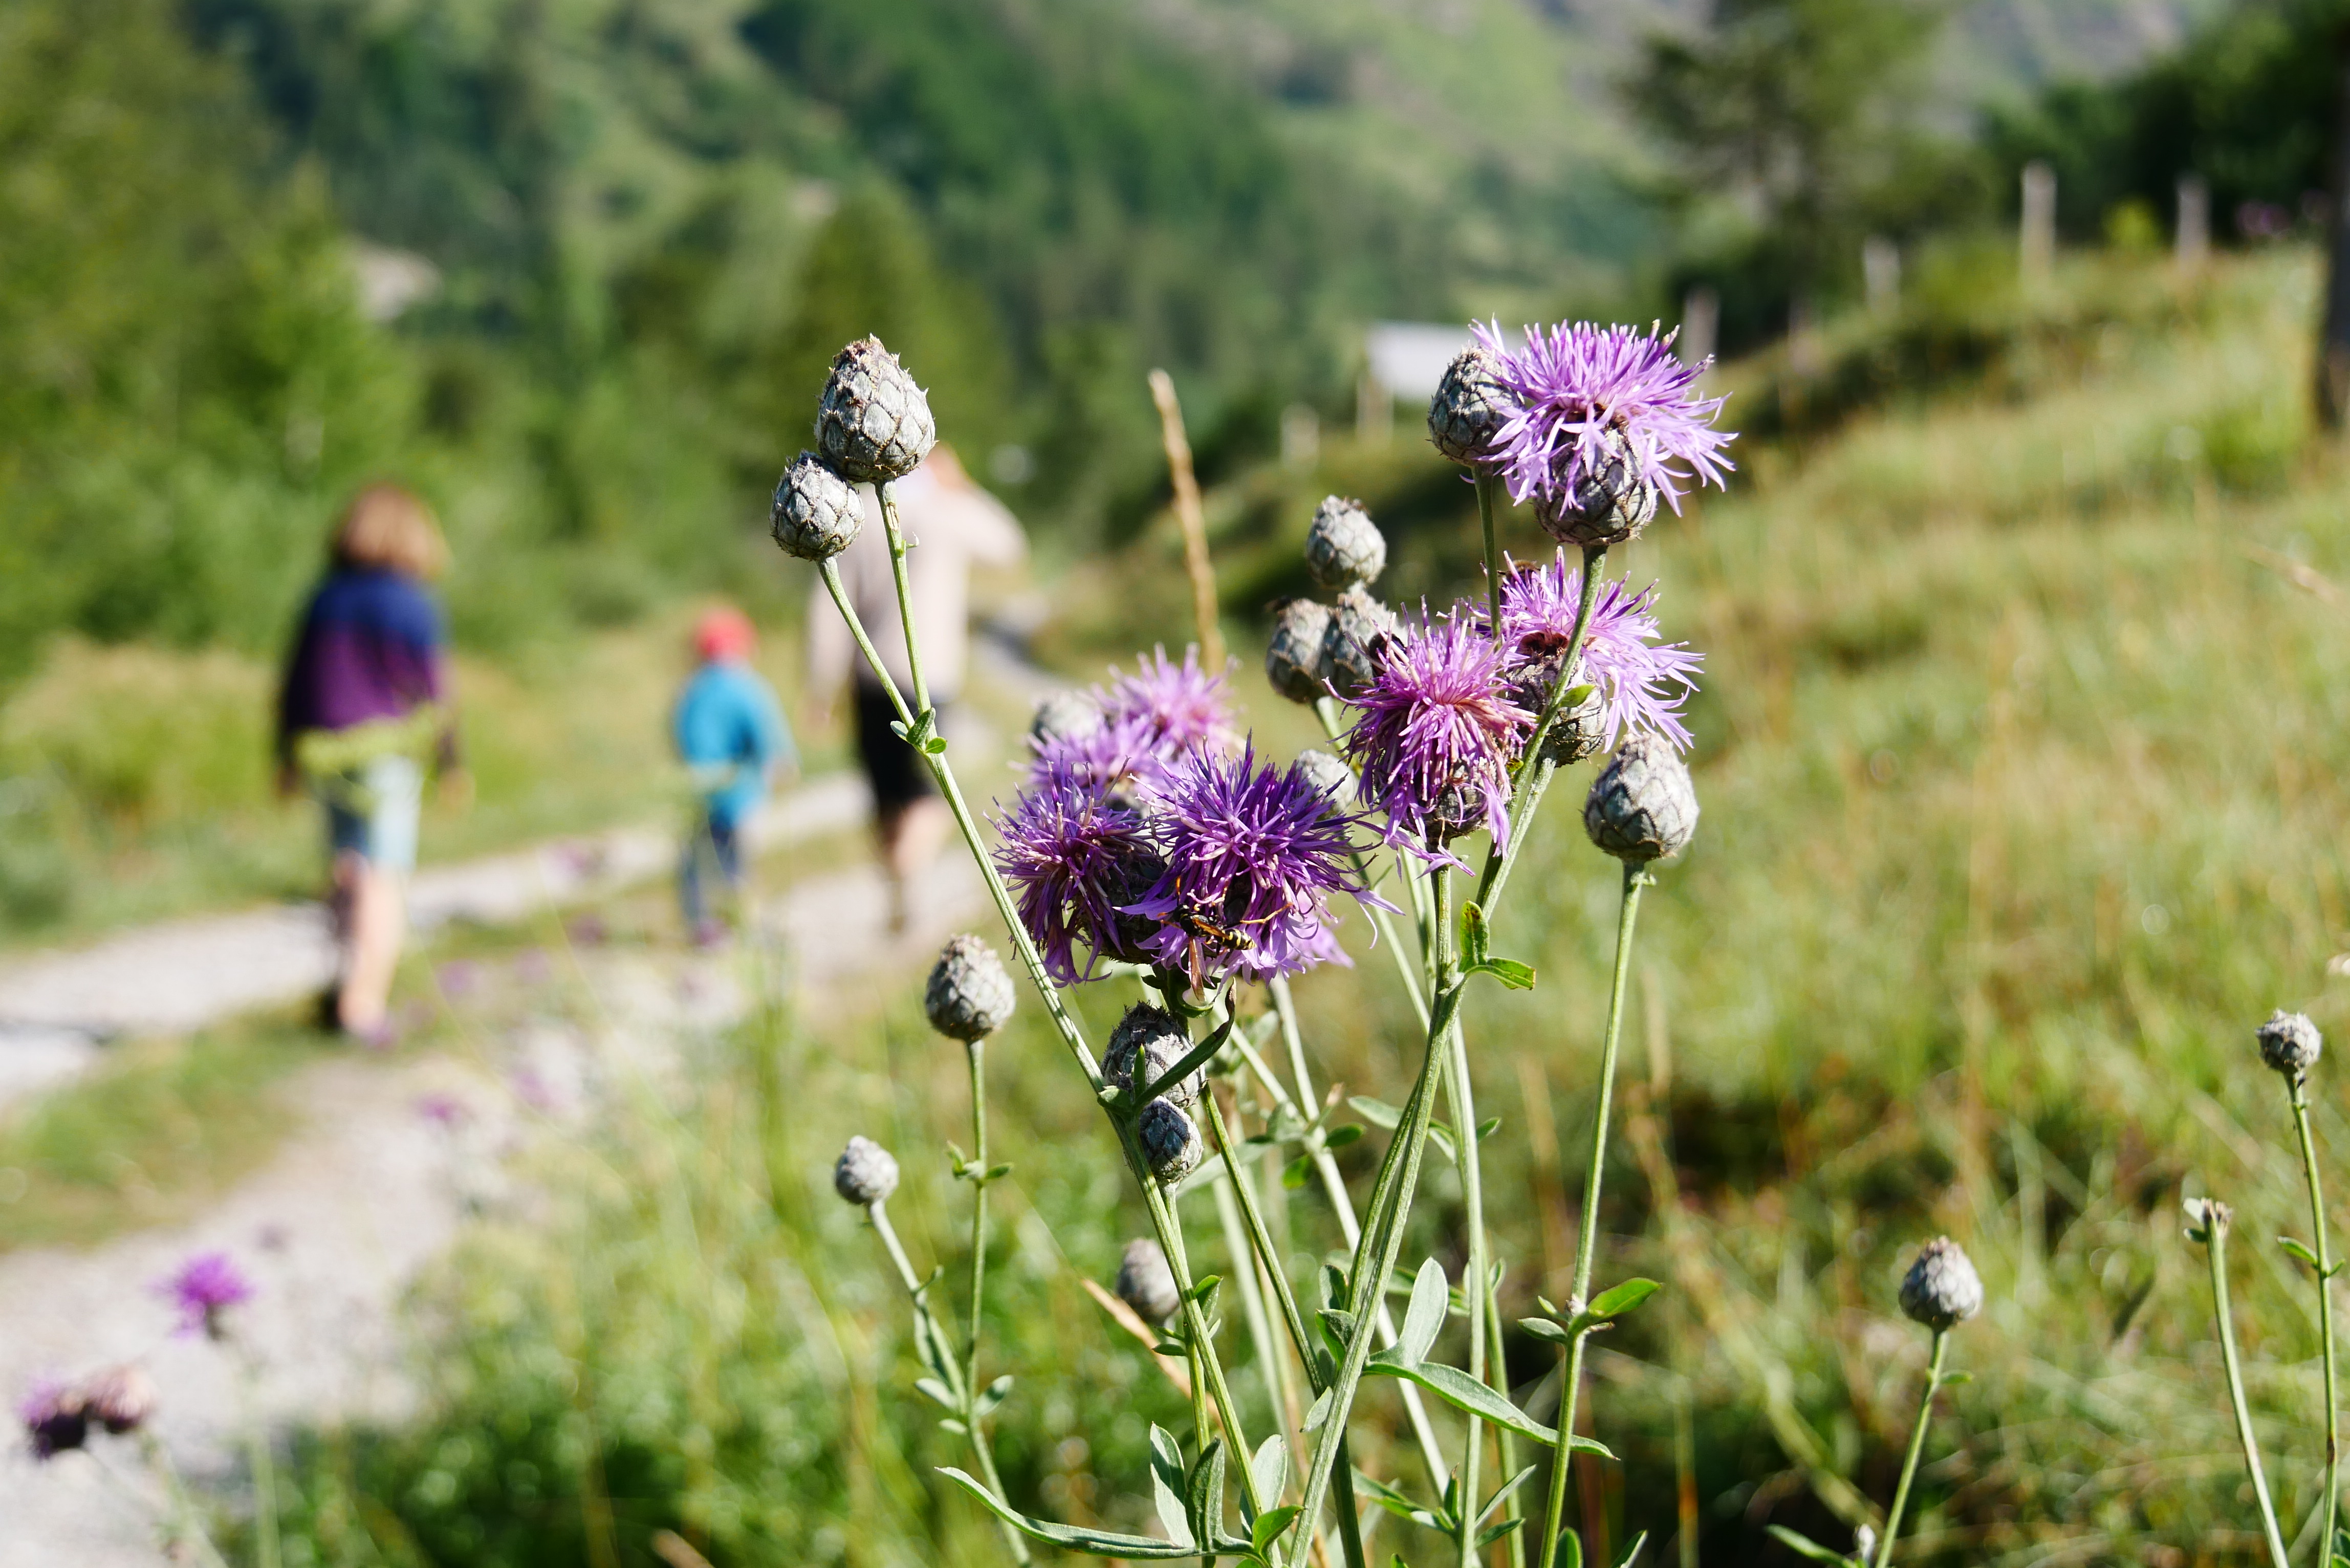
x=951, y=525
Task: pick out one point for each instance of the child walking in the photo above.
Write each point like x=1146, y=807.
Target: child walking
x=730, y=734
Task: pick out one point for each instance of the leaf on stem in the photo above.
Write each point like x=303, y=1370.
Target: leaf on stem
x=1342, y=1135
x=1168, y=1486
x=1192, y=1060
x=1378, y=1113
x=1206, y=1490
x=1570, y=1551
x=1502, y=1492
x=1631, y=1552
x=1270, y=1467
x=1403, y=1507
x=1269, y=1526
x=1542, y=1328
x=1425, y=1317
x=2298, y=1250
x=1457, y=1389
x=1803, y=1545
x=1615, y=1301
x=1095, y=1543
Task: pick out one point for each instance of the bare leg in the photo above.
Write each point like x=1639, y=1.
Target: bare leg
x=910, y=837
x=371, y=945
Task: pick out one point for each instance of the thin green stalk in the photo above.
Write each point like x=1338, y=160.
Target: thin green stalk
x=1535, y=773
x=976, y=1052
x=1478, y=1285
x=2298, y=1086
x=1636, y=877
x=1374, y=1261
x=1917, y=1447
x=1486, y=485
x=187, y=1525
x=905, y=595
x=2217, y=1217
x=265, y=1467
x=1171, y=1240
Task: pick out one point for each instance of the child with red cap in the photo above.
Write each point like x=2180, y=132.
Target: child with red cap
x=730, y=734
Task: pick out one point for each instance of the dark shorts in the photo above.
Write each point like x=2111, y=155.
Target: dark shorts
x=897, y=776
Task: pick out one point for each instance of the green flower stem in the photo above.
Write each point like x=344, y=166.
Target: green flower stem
x=1390, y=1206
x=187, y=1525
x=1203, y=1344
x=975, y=1051
x=1636, y=877
x=2298, y=1087
x=1381, y=921
x=983, y=1452
x=1479, y=1282
x=1272, y=1361
x=905, y=595
x=2216, y=1249
x=266, y=1548
x=1486, y=485
x=1918, y=1449
x=1535, y=773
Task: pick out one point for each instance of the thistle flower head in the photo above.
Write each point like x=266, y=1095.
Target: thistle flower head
x=1060, y=715
x=1438, y=733
x=1078, y=854
x=1571, y=384
x=1297, y=654
x=1642, y=683
x=1169, y=1143
x=1343, y=545
x=1111, y=753
x=1144, y=1047
x=873, y=423
x=56, y=1418
x=1146, y=1284
x=205, y=1287
x=866, y=1173
x=1470, y=407
x=1330, y=776
x=1643, y=805
x=1942, y=1289
x=1360, y=626
x=2290, y=1044
x=970, y=996
x=1183, y=705
x=1252, y=852
x=816, y=514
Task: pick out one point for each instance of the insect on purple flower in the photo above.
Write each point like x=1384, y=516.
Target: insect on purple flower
x=1642, y=683
x=1572, y=382
x=1254, y=852
x=205, y=1287
x=1077, y=852
x=1438, y=734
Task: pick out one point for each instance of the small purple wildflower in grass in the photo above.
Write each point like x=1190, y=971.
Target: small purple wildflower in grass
x=459, y=977
x=56, y=1418
x=1078, y=853
x=1126, y=749
x=206, y=1286
x=1573, y=381
x=1254, y=852
x=531, y=1087
x=1438, y=733
x=1184, y=705
x=1642, y=682
x=445, y=1111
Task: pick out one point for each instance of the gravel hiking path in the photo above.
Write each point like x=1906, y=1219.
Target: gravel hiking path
x=369, y=1189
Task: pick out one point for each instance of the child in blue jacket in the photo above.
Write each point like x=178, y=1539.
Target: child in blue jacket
x=730, y=734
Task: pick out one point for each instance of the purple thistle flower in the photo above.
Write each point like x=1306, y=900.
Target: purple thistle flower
x=1574, y=383
x=1184, y=705
x=56, y=1418
x=1438, y=733
x=1121, y=751
x=1254, y=852
x=1078, y=854
x=206, y=1286
x=1642, y=683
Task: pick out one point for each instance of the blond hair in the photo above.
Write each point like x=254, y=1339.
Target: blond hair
x=389, y=525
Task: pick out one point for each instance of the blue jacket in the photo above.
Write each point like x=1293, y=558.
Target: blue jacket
x=728, y=729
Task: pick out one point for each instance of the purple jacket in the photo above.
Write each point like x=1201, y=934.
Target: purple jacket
x=370, y=648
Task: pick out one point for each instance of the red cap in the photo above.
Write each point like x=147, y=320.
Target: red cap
x=724, y=633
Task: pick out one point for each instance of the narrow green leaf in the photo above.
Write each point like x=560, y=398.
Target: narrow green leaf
x=1492, y=1533
x=1441, y=1136
x=1592, y=1445
x=2298, y=1250
x=1269, y=1526
x=1615, y=1303
x=1196, y=1057
x=1488, y=1127
x=1269, y=1467
x=1513, y=975
x=1205, y=1491
x=948, y=1424
x=1378, y=1113
x=936, y=1392
x=1475, y=938
x=1321, y=1410
x=1631, y=1552
x=1093, y=1542
x=1342, y=1135
x=1292, y=1175
x=1425, y=1316
x=1952, y=1380
x=1457, y=1389
x=1803, y=1545
x=1570, y=1551
x=1542, y=1328
x=1502, y=1492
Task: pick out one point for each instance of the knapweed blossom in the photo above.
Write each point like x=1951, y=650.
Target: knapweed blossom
x=1183, y=704
x=1078, y=853
x=1438, y=734
x=1127, y=750
x=1642, y=682
x=1252, y=853
x=56, y=1419
x=1573, y=383
x=206, y=1286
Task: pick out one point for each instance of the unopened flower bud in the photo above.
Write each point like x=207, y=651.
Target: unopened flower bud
x=1360, y=626
x=1157, y=1041
x=1297, y=655
x=54, y=1418
x=968, y=996
x=1344, y=547
x=120, y=1398
x=1643, y=805
x=816, y=512
x=1061, y=715
x=1331, y=776
x=1577, y=732
x=2290, y=1042
x=867, y=1173
x=1146, y=1284
x=2208, y=1217
x=1942, y=1289
x=874, y=423
x=1470, y=408
x=1170, y=1144
x=1610, y=503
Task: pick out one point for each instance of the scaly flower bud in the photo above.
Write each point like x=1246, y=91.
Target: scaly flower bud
x=867, y=1173
x=816, y=512
x=874, y=423
x=1157, y=1041
x=1577, y=732
x=1170, y=1144
x=1061, y=715
x=968, y=996
x=2206, y=1217
x=2290, y=1044
x=1343, y=548
x=1146, y=1284
x=1330, y=776
x=1942, y=1289
x=1642, y=806
x=1297, y=656
x=1607, y=503
x=1359, y=627
x=1470, y=408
